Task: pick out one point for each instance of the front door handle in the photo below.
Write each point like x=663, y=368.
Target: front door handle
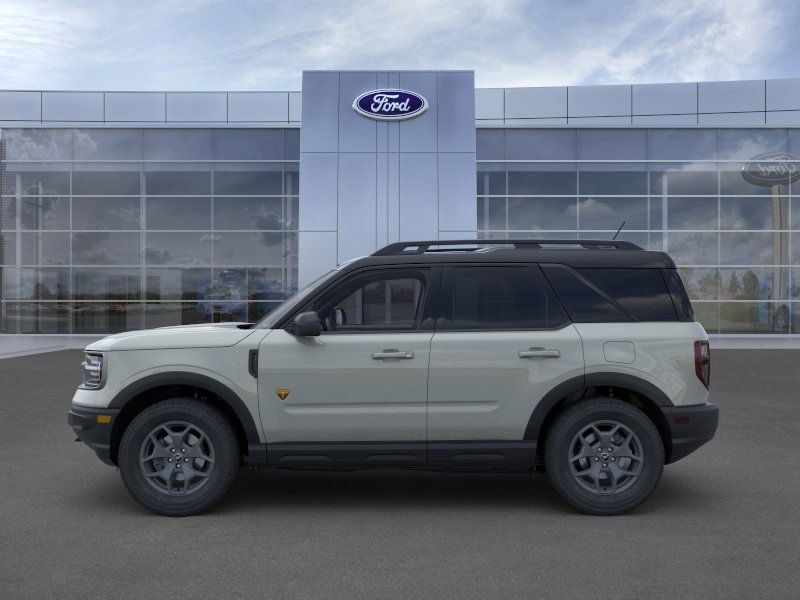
x=395, y=354
x=539, y=353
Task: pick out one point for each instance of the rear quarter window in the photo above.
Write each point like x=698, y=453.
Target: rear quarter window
x=641, y=292
x=593, y=295
x=584, y=302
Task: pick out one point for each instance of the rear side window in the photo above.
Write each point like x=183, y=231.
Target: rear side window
x=584, y=301
x=641, y=292
x=500, y=298
x=612, y=295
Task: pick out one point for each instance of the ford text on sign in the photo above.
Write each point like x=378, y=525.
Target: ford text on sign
x=772, y=168
x=390, y=105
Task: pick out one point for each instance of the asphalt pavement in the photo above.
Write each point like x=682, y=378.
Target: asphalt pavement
x=723, y=523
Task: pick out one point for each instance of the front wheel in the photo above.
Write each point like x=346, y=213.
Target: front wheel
x=604, y=456
x=178, y=457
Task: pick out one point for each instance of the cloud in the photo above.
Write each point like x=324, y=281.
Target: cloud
x=412, y=34
x=266, y=45
x=673, y=40
x=36, y=38
x=592, y=208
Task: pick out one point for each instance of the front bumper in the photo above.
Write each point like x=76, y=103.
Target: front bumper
x=690, y=427
x=96, y=435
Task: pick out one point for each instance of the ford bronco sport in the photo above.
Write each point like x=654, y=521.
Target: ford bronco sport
x=581, y=358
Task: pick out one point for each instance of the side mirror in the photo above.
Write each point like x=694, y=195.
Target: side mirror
x=306, y=325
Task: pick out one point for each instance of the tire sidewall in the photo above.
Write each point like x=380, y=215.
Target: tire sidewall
x=226, y=459
x=576, y=418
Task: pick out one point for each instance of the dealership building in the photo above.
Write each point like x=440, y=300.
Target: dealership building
x=130, y=210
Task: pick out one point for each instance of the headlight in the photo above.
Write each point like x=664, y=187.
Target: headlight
x=92, y=371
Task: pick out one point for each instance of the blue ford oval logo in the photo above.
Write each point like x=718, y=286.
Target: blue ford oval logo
x=772, y=168
x=390, y=105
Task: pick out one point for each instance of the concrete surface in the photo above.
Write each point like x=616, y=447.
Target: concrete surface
x=724, y=522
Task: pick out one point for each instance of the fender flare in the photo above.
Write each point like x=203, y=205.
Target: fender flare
x=228, y=396
x=591, y=380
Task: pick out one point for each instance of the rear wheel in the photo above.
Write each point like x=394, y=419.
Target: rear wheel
x=604, y=456
x=179, y=457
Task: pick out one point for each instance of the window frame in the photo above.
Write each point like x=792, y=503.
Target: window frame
x=430, y=275
x=444, y=321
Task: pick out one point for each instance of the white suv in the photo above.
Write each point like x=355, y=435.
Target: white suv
x=579, y=357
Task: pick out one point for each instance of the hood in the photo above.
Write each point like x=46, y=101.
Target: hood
x=215, y=335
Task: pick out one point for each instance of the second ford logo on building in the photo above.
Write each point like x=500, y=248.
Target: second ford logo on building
x=772, y=168
x=390, y=105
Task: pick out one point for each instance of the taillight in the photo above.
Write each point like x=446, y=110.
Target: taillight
x=702, y=361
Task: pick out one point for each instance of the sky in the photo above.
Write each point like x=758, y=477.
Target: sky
x=265, y=45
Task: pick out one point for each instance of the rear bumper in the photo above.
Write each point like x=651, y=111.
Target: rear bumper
x=690, y=427
x=83, y=421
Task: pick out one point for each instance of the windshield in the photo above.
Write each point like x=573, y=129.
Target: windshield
x=288, y=305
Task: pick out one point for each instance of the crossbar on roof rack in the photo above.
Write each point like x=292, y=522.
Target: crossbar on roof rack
x=421, y=247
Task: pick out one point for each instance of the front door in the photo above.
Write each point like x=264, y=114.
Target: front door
x=502, y=342
x=358, y=391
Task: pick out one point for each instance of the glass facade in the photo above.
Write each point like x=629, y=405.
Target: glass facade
x=108, y=230
x=684, y=191
x=105, y=230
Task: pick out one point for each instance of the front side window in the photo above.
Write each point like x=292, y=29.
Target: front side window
x=388, y=301
x=501, y=298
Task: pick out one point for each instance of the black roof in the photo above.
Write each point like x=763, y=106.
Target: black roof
x=573, y=253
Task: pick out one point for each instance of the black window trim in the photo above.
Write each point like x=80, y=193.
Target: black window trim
x=444, y=309
x=428, y=300
x=434, y=310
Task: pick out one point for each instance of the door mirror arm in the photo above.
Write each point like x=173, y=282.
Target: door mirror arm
x=305, y=324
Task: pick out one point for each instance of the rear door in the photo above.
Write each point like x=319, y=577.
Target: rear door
x=501, y=343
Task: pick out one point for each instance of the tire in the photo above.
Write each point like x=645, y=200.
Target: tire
x=580, y=466
x=195, y=439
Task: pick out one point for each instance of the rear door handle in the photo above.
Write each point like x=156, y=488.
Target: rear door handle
x=395, y=354
x=539, y=353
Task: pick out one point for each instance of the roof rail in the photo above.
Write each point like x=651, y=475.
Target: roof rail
x=421, y=247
